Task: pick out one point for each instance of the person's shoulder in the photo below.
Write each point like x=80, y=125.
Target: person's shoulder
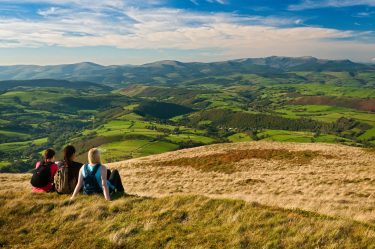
x=54, y=167
x=103, y=167
x=77, y=165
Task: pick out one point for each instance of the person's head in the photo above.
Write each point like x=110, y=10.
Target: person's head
x=49, y=155
x=94, y=156
x=69, y=154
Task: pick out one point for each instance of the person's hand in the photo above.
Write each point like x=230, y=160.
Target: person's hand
x=71, y=200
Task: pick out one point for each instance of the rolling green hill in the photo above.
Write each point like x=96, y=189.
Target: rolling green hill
x=11, y=84
x=169, y=105
x=172, y=72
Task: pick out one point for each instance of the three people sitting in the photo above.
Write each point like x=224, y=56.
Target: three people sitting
x=69, y=175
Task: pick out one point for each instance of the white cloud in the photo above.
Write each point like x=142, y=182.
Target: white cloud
x=217, y=1
x=310, y=4
x=114, y=23
x=194, y=2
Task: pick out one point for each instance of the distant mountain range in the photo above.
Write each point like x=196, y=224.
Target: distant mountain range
x=10, y=84
x=170, y=72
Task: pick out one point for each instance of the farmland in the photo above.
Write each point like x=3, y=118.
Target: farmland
x=134, y=120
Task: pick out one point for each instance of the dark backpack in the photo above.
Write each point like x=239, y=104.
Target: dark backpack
x=90, y=184
x=42, y=175
x=63, y=184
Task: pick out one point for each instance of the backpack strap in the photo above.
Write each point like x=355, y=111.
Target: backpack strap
x=86, y=170
x=96, y=168
x=93, y=172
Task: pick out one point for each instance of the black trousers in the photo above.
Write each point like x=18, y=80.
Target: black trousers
x=115, y=179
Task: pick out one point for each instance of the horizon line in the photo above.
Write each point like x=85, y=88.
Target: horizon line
x=186, y=62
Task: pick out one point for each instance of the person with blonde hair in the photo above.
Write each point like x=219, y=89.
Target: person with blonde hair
x=95, y=178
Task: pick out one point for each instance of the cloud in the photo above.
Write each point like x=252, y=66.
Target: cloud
x=196, y=2
x=365, y=14
x=217, y=1
x=310, y=4
x=120, y=24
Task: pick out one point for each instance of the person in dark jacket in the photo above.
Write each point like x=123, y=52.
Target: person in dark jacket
x=74, y=167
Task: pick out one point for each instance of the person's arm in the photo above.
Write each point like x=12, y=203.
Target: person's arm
x=104, y=183
x=79, y=184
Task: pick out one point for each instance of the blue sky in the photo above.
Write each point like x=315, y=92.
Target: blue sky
x=135, y=32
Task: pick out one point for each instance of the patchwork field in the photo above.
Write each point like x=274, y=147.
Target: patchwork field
x=136, y=119
x=131, y=136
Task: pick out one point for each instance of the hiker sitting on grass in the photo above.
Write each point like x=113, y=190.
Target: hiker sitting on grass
x=96, y=179
x=45, y=170
x=67, y=176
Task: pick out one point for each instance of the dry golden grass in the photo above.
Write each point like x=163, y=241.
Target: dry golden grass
x=328, y=179
x=329, y=187
x=30, y=220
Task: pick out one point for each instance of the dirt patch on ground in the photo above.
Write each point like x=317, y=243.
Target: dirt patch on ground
x=226, y=162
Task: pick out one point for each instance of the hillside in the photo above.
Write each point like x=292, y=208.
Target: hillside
x=243, y=195
x=10, y=84
x=163, y=106
x=329, y=179
x=172, y=72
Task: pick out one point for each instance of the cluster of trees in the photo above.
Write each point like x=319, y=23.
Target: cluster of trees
x=161, y=110
x=246, y=121
x=176, y=130
x=224, y=119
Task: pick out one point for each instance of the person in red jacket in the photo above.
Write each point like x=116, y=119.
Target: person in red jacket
x=44, y=173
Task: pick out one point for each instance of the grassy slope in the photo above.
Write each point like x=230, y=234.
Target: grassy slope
x=330, y=179
x=49, y=221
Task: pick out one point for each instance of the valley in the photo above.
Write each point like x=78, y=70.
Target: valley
x=276, y=102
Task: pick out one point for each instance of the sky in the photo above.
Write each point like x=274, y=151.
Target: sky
x=116, y=32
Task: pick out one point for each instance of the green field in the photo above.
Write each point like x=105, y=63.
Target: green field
x=239, y=137
x=325, y=113
x=3, y=164
x=368, y=134
x=301, y=137
x=14, y=134
x=117, y=151
x=110, y=119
